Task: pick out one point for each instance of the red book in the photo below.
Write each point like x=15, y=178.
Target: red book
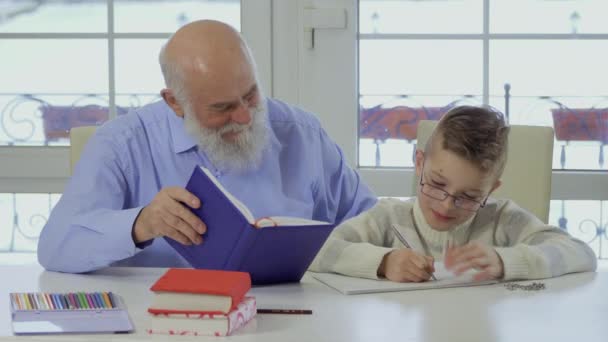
x=182, y=290
x=197, y=324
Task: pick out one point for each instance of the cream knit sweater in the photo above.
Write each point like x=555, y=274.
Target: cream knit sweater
x=528, y=248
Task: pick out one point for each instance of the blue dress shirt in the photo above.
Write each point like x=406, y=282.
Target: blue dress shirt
x=130, y=159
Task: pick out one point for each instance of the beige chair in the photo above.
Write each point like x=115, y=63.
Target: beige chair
x=527, y=176
x=78, y=139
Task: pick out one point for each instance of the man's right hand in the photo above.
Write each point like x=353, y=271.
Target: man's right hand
x=405, y=265
x=167, y=216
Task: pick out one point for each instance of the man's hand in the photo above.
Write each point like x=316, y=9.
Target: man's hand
x=167, y=215
x=475, y=255
x=405, y=265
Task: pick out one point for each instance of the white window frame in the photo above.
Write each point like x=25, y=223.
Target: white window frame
x=33, y=169
x=324, y=80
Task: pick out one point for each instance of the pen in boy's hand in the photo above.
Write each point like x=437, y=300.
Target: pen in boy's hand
x=285, y=311
x=406, y=244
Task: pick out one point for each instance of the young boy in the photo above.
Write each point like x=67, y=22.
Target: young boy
x=453, y=219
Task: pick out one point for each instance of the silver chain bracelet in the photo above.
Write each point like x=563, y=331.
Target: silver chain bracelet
x=530, y=287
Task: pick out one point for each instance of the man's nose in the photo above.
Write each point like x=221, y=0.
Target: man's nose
x=242, y=114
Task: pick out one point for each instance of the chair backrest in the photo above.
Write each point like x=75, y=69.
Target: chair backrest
x=78, y=139
x=527, y=176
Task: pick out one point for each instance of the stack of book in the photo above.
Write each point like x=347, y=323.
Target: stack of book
x=200, y=302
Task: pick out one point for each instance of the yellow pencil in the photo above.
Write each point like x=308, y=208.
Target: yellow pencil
x=27, y=301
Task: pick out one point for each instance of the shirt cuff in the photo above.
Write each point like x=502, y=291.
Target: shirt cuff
x=514, y=264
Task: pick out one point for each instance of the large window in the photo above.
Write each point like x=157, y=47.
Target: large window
x=541, y=62
x=67, y=63
x=391, y=63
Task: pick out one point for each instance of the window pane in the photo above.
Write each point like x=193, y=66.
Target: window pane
x=387, y=126
x=549, y=67
x=559, y=84
x=138, y=76
x=169, y=15
x=422, y=67
x=580, y=123
x=585, y=220
x=42, y=98
x=525, y=16
x=22, y=217
x=414, y=16
x=53, y=16
x=403, y=81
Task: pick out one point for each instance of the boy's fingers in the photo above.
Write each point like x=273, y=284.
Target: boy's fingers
x=480, y=262
x=482, y=276
x=464, y=257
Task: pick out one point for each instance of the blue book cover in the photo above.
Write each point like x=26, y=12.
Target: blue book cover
x=272, y=250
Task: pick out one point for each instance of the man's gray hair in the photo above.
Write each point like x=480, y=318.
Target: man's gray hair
x=173, y=74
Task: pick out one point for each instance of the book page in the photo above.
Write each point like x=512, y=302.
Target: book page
x=238, y=204
x=351, y=285
x=274, y=221
x=263, y=222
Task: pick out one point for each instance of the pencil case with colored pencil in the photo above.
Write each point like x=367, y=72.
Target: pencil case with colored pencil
x=75, y=312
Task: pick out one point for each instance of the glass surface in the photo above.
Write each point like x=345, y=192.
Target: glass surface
x=420, y=67
x=137, y=68
x=46, y=83
x=22, y=217
x=169, y=15
x=549, y=67
x=26, y=16
x=548, y=16
x=585, y=220
x=414, y=16
x=403, y=81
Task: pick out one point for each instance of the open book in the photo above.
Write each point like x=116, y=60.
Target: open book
x=271, y=221
x=445, y=278
x=270, y=249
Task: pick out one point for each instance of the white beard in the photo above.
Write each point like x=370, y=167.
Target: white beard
x=242, y=153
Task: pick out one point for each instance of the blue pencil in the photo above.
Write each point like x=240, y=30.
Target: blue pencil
x=56, y=301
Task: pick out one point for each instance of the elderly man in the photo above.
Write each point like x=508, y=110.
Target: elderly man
x=127, y=190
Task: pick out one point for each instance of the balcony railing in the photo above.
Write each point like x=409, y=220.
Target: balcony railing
x=45, y=119
x=580, y=123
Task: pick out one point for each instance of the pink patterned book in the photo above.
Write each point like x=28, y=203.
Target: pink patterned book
x=202, y=323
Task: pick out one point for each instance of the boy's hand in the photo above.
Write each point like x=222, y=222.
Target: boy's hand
x=474, y=255
x=405, y=265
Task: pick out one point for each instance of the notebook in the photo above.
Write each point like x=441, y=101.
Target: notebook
x=59, y=313
x=270, y=249
x=445, y=279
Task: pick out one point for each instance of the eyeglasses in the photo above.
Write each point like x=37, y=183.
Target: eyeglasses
x=440, y=195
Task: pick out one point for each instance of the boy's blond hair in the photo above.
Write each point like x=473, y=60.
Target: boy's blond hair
x=477, y=134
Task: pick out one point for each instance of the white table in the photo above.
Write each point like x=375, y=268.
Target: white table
x=572, y=308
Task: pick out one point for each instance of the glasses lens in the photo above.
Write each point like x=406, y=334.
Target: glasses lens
x=433, y=192
x=467, y=204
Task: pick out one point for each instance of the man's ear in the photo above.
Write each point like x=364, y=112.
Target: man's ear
x=171, y=101
x=419, y=162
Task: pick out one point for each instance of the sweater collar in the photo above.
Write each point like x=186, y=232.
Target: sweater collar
x=435, y=237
